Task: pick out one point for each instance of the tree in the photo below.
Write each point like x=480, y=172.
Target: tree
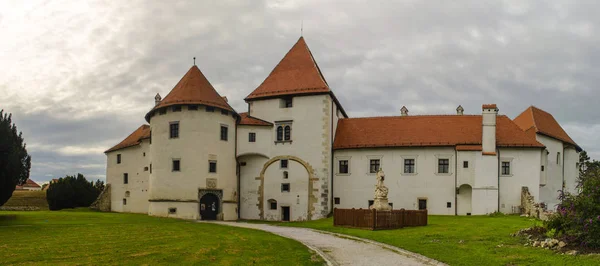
x=73, y=192
x=15, y=162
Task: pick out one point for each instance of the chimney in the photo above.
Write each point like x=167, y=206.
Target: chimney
x=488, y=114
x=460, y=110
x=404, y=111
x=157, y=99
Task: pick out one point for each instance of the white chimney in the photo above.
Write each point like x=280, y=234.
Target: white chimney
x=404, y=111
x=489, y=113
x=460, y=110
x=157, y=99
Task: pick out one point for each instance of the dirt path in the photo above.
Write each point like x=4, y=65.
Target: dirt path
x=340, y=249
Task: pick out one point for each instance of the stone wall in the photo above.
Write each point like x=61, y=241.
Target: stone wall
x=531, y=209
x=102, y=203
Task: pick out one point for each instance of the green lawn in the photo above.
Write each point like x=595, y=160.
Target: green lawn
x=85, y=237
x=464, y=240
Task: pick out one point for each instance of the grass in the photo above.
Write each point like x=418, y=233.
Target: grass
x=463, y=240
x=24, y=198
x=86, y=237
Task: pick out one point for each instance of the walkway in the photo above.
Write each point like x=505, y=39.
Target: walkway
x=340, y=249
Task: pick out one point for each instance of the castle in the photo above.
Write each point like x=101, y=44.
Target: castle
x=296, y=155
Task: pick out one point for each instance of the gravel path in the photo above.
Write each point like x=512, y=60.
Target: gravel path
x=339, y=249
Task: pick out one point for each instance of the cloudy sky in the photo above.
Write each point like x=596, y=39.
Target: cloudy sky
x=78, y=76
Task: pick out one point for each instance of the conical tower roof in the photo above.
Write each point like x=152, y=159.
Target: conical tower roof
x=193, y=88
x=297, y=73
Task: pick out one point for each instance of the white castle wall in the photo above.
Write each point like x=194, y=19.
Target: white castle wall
x=133, y=162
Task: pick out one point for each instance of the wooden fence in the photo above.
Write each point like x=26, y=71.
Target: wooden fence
x=379, y=220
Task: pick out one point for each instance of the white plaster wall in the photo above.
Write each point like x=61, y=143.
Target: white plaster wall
x=185, y=210
x=525, y=172
x=133, y=163
x=485, y=188
x=357, y=188
x=571, y=170
x=250, y=186
x=311, y=138
x=296, y=199
x=554, y=172
x=199, y=141
x=466, y=175
x=263, y=144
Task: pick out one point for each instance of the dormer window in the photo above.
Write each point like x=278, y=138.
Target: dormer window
x=177, y=108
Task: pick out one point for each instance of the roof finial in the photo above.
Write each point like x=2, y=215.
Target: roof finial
x=194, y=60
x=301, y=28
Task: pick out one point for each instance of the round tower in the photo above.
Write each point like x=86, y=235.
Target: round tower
x=192, y=152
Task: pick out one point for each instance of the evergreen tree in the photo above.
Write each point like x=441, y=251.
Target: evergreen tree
x=73, y=192
x=15, y=162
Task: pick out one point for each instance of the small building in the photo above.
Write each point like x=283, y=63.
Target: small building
x=29, y=185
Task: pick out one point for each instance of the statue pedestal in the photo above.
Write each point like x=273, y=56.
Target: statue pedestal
x=381, y=205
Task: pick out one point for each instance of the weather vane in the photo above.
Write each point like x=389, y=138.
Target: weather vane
x=194, y=60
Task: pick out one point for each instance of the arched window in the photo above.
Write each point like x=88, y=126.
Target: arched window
x=272, y=204
x=288, y=132
x=285, y=174
x=279, y=133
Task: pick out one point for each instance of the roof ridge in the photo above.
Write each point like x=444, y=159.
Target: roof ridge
x=412, y=116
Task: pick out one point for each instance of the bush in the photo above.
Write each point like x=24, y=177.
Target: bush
x=577, y=219
x=73, y=192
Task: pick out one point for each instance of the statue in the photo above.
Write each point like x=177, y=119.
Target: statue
x=380, y=202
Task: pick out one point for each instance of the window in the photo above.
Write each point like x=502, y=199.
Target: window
x=283, y=163
x=176, y=165
x=422, y=204
x=124, y=201
x=174, y=130
x=370, y=203
x=162, y=111
x=287, y=133
x=409, y=166
x=118, y=158
x=279, y=133
x=251, y=137
x=224, y=112
x=343, y=167
x=285, y=187
x=210, y=109
x=558, y=158
x=125, y=178
x=443, y=166
x=177, y=108
x=336, y=200
x=448, y=204
x=172, y=210
x=505, y=168
x=374, y=165
x=286, y=102
x=193, y=107
x=243, y=164
x=144, y=154
x=212, y=166
x=224, y=132
x=145, y=168
x=127, y=194
x=151, y=168
x=465, y=164
x=542, y=168
x=272, y=204
x=285, y=175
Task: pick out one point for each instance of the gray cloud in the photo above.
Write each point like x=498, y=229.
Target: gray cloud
x=79, y=77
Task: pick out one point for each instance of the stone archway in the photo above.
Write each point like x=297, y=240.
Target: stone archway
x=311, y=178
x=464, y=199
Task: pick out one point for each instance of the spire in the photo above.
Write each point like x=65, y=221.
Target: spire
x=296, y=73
x=193, y=88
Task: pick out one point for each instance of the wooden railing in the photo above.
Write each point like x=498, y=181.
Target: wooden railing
x=379, y=220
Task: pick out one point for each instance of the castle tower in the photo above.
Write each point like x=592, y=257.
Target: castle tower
x=192, y=152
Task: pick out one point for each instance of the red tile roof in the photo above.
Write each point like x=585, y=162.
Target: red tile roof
x=542, y=122
x=489, y=106
x=135, y=138
x=296, y=73
x=193, y=88
x=426, y=130
x=469, y=148
x=253, y=121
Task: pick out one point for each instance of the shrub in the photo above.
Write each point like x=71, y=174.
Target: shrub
x=73, y=192
x=577, y=219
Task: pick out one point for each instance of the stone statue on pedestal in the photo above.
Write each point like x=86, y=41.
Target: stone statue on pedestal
x=380, y=202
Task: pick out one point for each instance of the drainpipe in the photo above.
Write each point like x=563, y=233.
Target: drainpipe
x=499, y=168
x=456, y=182
x=563, y=185
x=332, y=166
x=238, y=173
